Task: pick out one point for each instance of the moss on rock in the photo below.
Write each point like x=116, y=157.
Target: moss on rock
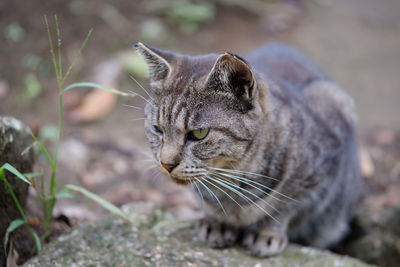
x=155, y=238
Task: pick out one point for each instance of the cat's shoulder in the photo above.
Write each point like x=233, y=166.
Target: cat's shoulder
x=286, y=65
x=324, y=95
x=296, y=73
x=277, y=52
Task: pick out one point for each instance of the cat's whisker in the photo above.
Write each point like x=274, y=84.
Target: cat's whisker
x=147, y=154
x=149, y=157
x=194, y=184
x=155, y=177
x=149, y=168
x=245, y=180
x=245, y=172
x=147, y=93
x=222, y=190
x=155, y=172
x=226, y=185
x=229, y=185
x=139, y=95
x=146, y=160
x=251, y=193
x=147, y=163
x=130, y=106
x=138, y=119
x=211, y=193
x=248, y=182
x=253, y=184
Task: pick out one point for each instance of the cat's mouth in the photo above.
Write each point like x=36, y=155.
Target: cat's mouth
x=176, y=178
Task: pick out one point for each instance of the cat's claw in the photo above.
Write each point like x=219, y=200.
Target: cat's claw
x=265, y=244
x=216, y=234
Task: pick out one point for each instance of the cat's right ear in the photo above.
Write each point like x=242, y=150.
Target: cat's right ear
x=158, y=62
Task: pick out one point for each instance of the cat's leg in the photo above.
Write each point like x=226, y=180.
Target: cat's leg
x=216, y=234
x=265, y=239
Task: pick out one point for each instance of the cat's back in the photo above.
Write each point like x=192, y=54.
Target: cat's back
x=295, y=73
x=285, y=65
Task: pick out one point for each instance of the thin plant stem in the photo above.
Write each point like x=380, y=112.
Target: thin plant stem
x=53, y=183
x=53, y=56
x=44, y=150
x=46, y=224
x=58, y=47
x=49, y=207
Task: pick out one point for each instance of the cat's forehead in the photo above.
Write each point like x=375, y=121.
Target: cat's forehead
x=190, y=111
x=188, y=73
x=184, y=101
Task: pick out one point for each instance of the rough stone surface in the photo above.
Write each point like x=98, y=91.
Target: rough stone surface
x=376, y=240
x=14, y=139
x=155, y=238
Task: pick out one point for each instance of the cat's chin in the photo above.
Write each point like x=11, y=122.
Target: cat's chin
x=181, y=181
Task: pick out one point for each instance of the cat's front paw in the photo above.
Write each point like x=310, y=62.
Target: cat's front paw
x=216, y=234
x=267, y=243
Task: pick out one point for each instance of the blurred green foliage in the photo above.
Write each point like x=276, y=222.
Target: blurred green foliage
x=190, y=16
x=154, y=30
x=135, y=65
x=33, y=88
x=48, y=132
x=14, y=32
x=77, y=7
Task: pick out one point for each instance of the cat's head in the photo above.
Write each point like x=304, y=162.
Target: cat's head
x=204, y=112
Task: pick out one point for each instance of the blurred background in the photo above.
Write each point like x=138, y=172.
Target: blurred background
x=103, y=148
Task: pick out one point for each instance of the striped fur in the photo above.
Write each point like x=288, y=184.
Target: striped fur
x=280, y=159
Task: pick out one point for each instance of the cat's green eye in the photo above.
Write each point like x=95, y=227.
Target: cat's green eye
x=198, y=134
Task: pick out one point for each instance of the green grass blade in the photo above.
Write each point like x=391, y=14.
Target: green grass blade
x=33, y=174
x=64, y=193
x=21, y=211
x=76, y=56
x=13, y=225
x=13, y=196
x=97, y=86
x=37, y=240
x=104, y=203
x=14, y=171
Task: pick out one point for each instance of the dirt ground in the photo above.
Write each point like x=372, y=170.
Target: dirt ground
x=357, y=42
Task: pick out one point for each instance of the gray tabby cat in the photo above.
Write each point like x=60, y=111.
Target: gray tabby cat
x=268, y=142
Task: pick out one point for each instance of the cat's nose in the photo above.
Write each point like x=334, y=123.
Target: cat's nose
x=169, y=166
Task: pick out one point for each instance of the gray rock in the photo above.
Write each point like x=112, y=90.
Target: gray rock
x=14, y=139
x=376, y=241
x=155, y=238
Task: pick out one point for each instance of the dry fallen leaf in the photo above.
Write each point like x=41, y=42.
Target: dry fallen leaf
x=366, y=164
x=4, y=89
x=98, y=103
x=12, y=256
x=95, y=105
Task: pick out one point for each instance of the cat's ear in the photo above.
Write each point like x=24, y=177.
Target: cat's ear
x=233, y=73
x=158, y=61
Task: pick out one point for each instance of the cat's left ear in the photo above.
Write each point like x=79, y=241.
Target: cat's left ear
x=232, y=73
x=158, y=61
